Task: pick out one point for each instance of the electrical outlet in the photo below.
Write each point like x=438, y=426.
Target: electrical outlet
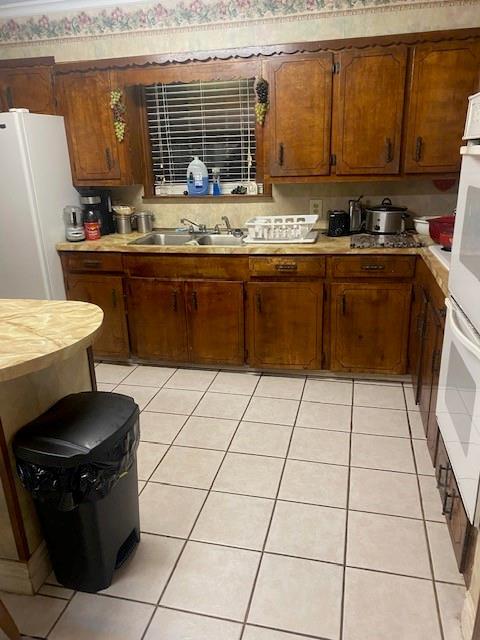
x=316, y=208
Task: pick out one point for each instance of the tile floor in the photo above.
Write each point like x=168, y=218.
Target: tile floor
x=272, y=508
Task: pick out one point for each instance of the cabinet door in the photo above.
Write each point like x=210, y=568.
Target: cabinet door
x=285, y=324
x=107, y=293
x=369, y=109
x=300, y=117
x=429, y=363
x=369, y=326
x=444, y=74
x=156, y=319
x=215, y=322
x=84, y=100
x=28, y=88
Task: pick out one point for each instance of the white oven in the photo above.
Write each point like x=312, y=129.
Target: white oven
x=464, y=279
x=458, y=404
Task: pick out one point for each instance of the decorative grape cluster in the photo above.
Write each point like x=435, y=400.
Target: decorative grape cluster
x=118, y=108
x=262, y=104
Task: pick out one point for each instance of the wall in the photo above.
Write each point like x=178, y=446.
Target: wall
x=421, y=197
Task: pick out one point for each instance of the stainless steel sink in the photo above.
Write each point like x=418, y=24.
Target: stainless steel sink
x=164, y=239
x=220, y=240
x=175, y=239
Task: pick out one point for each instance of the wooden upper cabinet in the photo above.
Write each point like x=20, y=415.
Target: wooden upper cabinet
x=300, y=117
x=369, y=326
x=444, y=74
x=84, y=101
x=27, y=88
x=368, y=110
x=215, y=325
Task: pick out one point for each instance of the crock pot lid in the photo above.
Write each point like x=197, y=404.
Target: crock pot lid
x=387, y=206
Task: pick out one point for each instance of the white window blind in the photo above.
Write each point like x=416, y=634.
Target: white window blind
x=214, y=120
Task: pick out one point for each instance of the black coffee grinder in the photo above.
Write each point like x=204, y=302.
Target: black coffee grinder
x=99, y=201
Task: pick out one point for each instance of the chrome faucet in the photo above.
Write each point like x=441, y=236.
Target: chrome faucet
x=227, y=224
x=201, y=227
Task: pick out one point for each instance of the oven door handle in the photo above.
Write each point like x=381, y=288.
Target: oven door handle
x=467, y=343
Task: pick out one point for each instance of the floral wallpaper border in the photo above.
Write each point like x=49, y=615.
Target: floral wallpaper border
x=172, y=14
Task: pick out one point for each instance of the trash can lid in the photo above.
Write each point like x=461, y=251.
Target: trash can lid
x=76, y=429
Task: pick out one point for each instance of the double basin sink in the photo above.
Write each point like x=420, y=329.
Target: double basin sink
x=195, y=239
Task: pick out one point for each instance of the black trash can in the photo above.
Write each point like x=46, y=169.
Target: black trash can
x=78, y=460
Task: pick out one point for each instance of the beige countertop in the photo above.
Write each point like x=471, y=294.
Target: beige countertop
x=36, y=333
x=323, y=246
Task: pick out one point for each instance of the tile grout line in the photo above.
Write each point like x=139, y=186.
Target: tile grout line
x=345, y=545
x=427, y=540
x=167, y=582
x=267, y=532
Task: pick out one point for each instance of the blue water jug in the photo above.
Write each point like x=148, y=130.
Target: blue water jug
x=197, y=178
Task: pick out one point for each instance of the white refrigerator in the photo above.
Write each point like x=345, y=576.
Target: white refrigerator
x=35, y=185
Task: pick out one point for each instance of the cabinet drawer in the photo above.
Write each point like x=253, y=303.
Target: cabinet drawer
x=287, y=266
x=372, y=266
x=93, y=261
x=191, y=267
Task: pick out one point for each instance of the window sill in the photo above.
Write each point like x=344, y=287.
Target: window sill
x=199, y=199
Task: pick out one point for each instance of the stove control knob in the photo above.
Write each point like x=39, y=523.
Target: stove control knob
x=377, y=227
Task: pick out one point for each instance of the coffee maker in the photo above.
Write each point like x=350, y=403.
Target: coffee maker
x=100, y=201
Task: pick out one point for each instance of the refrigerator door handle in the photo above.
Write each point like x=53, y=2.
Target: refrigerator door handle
x=459, y=334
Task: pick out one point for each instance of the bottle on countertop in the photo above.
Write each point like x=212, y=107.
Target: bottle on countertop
x=91, y=223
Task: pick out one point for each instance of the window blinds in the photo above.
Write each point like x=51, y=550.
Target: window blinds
x=214, y=120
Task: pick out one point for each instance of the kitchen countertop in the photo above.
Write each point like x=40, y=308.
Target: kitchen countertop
x=36, y=333
x=323, y=246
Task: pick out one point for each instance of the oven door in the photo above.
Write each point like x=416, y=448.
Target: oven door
x=458, y=405
x=464, y=276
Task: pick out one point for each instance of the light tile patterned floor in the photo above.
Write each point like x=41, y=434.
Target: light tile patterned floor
x=272, y=508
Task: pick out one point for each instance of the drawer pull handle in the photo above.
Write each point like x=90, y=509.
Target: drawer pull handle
x=194, y=301
x=373, y=267
x=114, y=298
x=174, y=300
x=448, y=502
x=108, y=158
x=418, y=149
x=258, y=299
x=286, y=267
x=92, y=263
x=344, y=305
x=441, y=483
x=280, y=154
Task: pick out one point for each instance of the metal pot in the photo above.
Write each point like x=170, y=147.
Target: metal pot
x=123, y=223
x=144, y=221
x=386, y=218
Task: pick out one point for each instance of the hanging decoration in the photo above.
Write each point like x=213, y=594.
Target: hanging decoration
x=262, y=104
x=118, y=108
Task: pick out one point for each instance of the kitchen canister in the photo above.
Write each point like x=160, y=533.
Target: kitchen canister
x=123, y=218
x=144, y=221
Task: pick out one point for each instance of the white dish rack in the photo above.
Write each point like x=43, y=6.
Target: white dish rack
x=281, y=229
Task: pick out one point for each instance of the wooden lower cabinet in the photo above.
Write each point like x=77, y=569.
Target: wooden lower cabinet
x=215, y=325
x=186, y=321
x=369, y=325
x=106, y=291
x=285, y=324
x=156, y=319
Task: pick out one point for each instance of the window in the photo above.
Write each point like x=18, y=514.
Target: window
x=214, y=120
